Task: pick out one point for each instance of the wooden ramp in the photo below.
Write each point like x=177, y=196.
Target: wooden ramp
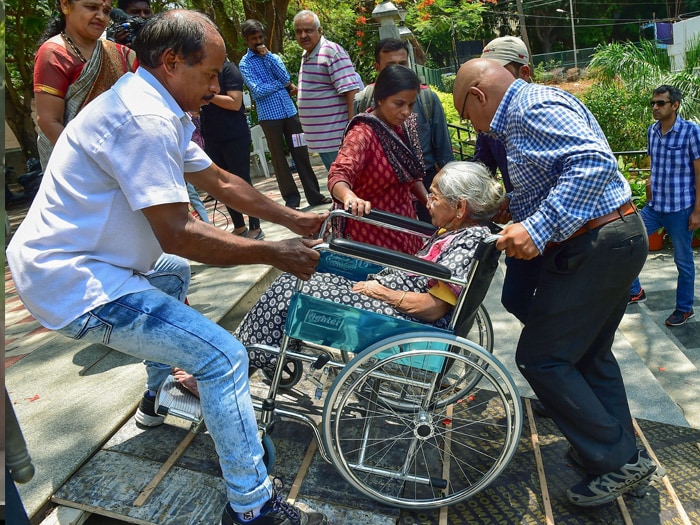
x=118, y=481
x=190, y=491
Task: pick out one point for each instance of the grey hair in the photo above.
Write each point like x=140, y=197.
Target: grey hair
x=304, y=14
x=185, y=32
x=473, y=183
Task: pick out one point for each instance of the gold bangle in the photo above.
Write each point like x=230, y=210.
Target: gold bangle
x=400, y=300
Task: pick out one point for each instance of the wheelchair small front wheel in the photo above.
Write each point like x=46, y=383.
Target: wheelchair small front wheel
x=269, y=454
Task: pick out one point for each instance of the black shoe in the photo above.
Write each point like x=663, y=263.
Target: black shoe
x=678, y=318
x=598, y=490
x=324, y=200
x=146, y=415
x=291, y=204
x=275, y=512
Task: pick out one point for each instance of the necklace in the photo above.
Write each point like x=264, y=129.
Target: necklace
x=72, y=45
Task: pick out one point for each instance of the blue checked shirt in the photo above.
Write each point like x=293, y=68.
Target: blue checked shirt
x=266, y=77
x=672, y=170
x=559, y=161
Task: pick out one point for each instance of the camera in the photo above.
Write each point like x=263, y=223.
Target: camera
x=124, y=27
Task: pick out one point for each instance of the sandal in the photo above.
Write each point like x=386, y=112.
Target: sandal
x=244, y=233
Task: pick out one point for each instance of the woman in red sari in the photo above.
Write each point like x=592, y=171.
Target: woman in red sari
x=73, y=66
x=380, y=164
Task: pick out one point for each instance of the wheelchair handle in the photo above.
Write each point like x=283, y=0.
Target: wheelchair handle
x=385, y=219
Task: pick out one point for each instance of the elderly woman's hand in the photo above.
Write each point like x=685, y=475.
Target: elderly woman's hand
x=371, y=289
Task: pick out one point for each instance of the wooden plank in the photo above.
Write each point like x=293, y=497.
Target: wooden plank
x=442, y=520
x=546, y=501
x=667, y=483
x=301, y=473
x=66, y=516
x=108, y=484
x=148, y=489
x=626, y=518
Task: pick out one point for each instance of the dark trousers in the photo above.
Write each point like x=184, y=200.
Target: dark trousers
x=519, y=285
x=277, y=133
x=565, y=348
x=234, y=157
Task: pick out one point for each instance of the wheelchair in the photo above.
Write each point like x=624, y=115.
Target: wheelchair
x=417, y=417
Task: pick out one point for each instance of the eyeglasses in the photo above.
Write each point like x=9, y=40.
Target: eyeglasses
x=660, y=103
x=432, y=197
x=464, y=105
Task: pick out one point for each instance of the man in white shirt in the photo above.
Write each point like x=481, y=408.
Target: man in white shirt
x=113, y=200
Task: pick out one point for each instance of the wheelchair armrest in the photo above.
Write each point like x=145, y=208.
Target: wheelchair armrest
x=388, y=257
x=402, y=222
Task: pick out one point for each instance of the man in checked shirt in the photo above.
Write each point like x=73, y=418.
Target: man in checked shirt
x=674, y=148
x=572, y=205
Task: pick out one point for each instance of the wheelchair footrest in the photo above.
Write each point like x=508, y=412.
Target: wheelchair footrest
x=173, y=399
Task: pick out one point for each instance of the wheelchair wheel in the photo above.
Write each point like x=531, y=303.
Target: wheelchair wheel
x=442, y=445
x=482, y=330
x=455, y=374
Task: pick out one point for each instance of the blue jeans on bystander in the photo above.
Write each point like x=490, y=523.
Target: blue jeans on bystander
x=676, y=225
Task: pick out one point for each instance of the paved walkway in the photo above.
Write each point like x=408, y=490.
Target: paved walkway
x=71, y=398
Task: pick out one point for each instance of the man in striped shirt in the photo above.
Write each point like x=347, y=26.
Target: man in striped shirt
x=327, y=86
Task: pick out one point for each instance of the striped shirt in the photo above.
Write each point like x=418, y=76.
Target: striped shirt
x=325, y=75
x=672, y=170
x=559, y=161
x=266, y=77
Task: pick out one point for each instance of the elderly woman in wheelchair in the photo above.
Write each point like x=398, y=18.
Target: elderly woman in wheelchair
x=463, y=197
x=421, y=414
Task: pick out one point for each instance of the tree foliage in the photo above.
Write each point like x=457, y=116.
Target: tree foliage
x=627, y=75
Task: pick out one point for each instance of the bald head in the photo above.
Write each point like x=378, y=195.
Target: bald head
x=485, y=81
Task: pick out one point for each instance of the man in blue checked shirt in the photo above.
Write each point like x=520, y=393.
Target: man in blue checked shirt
x=674, y=148
x=572, y=205
x=268, y=81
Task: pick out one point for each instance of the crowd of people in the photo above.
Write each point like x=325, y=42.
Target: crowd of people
x=102, y=255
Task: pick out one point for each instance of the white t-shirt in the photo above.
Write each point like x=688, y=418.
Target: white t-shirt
x=85, y=241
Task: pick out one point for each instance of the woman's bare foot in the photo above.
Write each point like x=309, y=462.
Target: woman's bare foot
x=186, y=380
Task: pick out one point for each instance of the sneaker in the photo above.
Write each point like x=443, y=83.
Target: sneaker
x=146, y=414
x=640, y=297
x=598, y=490
x=275, y=512
x=678, y=318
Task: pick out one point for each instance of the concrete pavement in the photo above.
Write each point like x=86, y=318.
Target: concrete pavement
x=71, y=398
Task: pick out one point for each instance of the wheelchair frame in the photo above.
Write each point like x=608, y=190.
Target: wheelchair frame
x=405, y=421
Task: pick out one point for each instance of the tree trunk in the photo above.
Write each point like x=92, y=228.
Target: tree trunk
x=272, y=14
x=18, y=115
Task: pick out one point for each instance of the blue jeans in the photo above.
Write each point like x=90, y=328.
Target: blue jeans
x=155, y=325
x=328, y=158
x=676, y=225
x=196, y=202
